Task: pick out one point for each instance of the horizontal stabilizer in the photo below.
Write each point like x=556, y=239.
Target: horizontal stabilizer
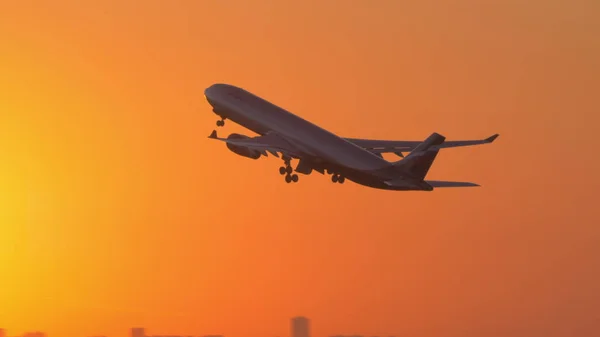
x=438, y=183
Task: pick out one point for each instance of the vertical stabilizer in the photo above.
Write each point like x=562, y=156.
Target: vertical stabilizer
x=434, y=139
x=419, y=160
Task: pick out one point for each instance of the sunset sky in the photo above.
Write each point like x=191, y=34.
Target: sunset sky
x=116, y=210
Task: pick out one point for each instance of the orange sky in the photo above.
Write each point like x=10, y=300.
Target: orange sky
x=117, y=211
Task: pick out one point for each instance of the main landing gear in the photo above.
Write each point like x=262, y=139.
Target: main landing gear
x=287, y=171
x=221, y=122
x=336, y=178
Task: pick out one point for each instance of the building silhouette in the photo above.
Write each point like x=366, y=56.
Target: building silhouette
x=27, y=334
x=353, y=336
x=138, y=332
x=34, y=334
x=141, y=332
x=300, y=327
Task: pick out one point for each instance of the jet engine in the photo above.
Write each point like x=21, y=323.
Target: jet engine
x=242, y=150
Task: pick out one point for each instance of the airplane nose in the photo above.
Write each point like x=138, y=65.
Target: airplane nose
x=213, y=90
x=210, y=94
x=214, y=94
x=216, y=91
x=208, y=91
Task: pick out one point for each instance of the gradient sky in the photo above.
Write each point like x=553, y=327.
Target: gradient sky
x=117, y=211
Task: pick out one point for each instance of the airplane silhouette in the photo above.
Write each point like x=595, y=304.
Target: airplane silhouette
x=358, y=160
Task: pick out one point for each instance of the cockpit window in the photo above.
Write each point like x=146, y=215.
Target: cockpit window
x=231, y=92
x=245, y=97
x=235, y=95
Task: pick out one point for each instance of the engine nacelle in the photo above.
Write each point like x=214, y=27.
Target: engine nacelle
x=242, y=150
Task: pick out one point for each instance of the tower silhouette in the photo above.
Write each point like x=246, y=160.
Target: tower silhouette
x=300, y=327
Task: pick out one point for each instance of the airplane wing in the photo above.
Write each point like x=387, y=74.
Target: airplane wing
x=270, y=142
x=399, y=146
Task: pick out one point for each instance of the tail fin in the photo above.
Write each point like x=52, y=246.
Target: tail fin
x=418, y=162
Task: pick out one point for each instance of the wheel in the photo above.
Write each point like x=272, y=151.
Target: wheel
x=334, y=178
x=288, y=170
x=282, y=170
x=341, y=180
x=295, y=178
x=288, y=179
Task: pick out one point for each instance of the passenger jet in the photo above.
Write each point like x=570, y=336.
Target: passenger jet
x=359, y=160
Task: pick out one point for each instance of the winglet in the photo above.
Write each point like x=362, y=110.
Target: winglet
x=213, y=135
x=492, y=138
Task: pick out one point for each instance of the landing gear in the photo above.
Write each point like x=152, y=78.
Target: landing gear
x=221, y=122
x=336, y=178
x=291, y=178
x=287, y=171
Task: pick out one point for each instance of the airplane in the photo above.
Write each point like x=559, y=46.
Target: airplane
x=316, y=149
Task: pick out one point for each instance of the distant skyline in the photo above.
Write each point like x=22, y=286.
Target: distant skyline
x=25, y=334
x=299, y=327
